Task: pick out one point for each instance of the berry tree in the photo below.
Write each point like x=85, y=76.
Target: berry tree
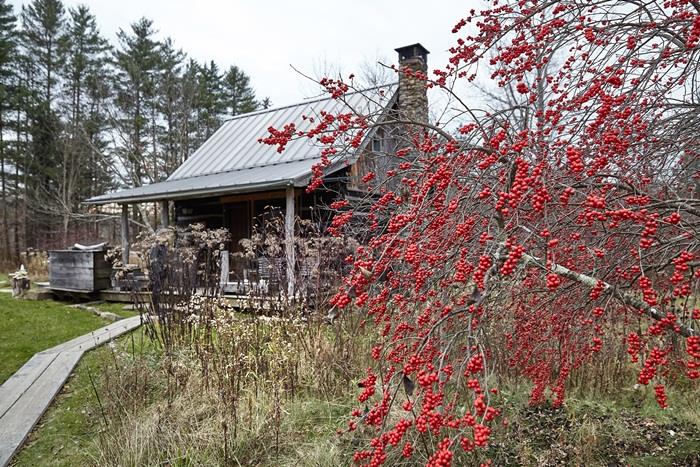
x=533, y=234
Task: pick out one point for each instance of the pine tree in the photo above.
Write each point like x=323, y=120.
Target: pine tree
x=170, y=97
x=239, y=95
x=136, y=65
x=7, y=53
x=211, y=106
x=97, y=94
x=43, y=24
x=85, y=62
x=187, y=110
x=43, y=41
x=22, y=104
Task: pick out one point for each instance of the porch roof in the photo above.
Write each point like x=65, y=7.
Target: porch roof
x=272, y=176
x=232, y=160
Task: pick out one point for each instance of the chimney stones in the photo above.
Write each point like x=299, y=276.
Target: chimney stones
x=413, y=97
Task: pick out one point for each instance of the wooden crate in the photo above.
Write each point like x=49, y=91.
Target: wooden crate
x=79, y=270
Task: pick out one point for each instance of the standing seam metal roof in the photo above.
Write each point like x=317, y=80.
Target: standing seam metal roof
x=233, y=159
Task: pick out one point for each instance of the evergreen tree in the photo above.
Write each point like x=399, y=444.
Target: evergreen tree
x=8, y=47
x=187, y=110
x=43, y=24
x=211, y=106
x=22, y=104
x=170, y=97
x=136, y=66
x=78, y=118
x=97, y=93
x=43, y=41
x=85, y=63
x=239, y=95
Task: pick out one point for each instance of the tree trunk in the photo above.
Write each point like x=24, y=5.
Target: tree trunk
x=18, y=143
x=5, y=227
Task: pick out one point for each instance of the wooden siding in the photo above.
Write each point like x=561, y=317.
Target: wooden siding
x=75, y=270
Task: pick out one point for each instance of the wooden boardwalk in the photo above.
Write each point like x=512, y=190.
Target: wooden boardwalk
x=27, y=394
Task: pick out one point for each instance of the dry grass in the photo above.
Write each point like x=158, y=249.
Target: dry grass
x=267, y=392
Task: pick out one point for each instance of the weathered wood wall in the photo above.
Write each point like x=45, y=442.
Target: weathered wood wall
x=75, y=270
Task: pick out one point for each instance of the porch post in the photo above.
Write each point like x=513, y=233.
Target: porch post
x=164, y=213
x=125, y=234
x=289, y=239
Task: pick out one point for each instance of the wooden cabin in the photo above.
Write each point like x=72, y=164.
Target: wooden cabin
x=233, y=178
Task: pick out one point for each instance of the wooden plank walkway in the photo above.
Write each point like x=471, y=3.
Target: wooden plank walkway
x=26, y=395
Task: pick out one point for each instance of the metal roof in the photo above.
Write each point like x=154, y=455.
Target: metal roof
x=233, y=160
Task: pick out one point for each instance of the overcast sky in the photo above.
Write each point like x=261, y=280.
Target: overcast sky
x=265, y=37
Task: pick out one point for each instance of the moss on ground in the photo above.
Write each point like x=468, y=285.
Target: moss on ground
x=120, y=309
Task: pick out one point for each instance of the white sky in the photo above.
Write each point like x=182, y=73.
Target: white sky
x=265, y=37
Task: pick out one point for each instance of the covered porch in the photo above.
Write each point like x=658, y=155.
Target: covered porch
x=241, y=214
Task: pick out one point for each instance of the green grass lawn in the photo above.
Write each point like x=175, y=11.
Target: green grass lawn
x=28, y=327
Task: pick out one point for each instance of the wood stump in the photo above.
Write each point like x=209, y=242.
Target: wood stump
x=19, y=286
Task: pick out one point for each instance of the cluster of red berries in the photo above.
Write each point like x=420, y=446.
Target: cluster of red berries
x=553, y=281
x=650, y=228
x=342, y=203
x=540, y=199
x=485, y=192
x=516, y=252
x=467, y=444
x=336, y=88
x=656, y=358
x=279, y=138
x=394, y=436
x=648, y=293
x=481, y=435
x=431, y=400
x=693, y=346
x=694, y=35
x=566, y=195
x=376, y=352
x=369, y=386
x=667, y=322
x=634, y=345
x=660, y=393
x=693, y=369
x=480, y=273
x=497, y=139
x=522, y=88
x=443, y=456
x=673, y=218
x=595, y=202
x=475, y=365
x=378, y=456
x=339, y=221
x=681, y=266
x=480, y=405
x=597, y=290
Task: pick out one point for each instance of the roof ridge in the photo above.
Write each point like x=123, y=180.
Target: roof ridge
x=305, y=102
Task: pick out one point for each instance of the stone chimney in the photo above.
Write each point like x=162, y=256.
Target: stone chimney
x=413, y=98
